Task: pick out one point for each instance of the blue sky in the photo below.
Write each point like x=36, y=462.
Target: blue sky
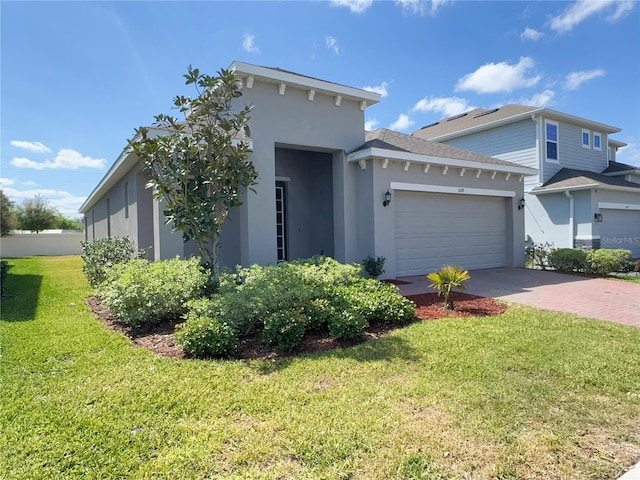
x=78, y=77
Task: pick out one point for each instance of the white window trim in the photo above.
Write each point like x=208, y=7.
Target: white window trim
x=557, y=142
x=588, y=144
x=594, y=135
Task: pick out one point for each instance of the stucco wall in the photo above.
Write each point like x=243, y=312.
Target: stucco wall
x=28, y=244
x=377, y=222
x=290, y=121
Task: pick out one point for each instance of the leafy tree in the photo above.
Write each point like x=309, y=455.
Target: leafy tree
x=7, y=215
x=35, y=214
x=65, y=223
x=200, y=166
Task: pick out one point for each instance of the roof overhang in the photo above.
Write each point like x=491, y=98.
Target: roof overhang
x=616, y=143
x=125, y=162
x=248, y=73
x=121, y=167
x=381, y=153
x=533, y=115
x=590, y=186
x=633, y=171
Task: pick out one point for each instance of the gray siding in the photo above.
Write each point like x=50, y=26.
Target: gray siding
x=573, y=155
x=515, y=143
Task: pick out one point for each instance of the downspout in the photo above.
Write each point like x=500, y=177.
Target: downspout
x=541, y=151
x=570, y=197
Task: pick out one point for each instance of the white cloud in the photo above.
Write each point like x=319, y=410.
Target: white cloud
x=248, y=44
x=402, y=123
x=5, y=182
x=65, y=159
x=580, y=10
x=29, y=183
x=531, y=34
x=381, y=89
x=332, y=44
x=447, y=106
x=371, y=124
x=66, y=203
x=500, y=77
x=36, y=147
x=356, y=6
x=420, y=7
x=629, y=154
x=541, y=99
x=575, y=79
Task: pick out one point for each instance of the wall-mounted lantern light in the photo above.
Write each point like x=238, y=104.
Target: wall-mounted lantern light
x=387, y=198
x=597, y=217
x=521, y=204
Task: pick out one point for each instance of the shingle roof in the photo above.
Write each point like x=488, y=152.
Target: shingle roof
x=569, y=178
x=615, y=167
x=391, y=140
x=470, y=119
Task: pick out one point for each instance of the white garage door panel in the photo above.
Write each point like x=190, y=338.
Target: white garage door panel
x=438, y=229
x=621, y=229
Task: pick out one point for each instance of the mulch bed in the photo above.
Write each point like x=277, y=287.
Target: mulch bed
x=159, y=338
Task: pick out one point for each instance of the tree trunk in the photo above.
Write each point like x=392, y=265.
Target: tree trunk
x=448, y=301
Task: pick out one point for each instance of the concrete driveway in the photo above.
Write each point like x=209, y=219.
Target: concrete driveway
x=602, y=298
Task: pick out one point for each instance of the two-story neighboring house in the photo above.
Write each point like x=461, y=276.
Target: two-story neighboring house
x=581, y=197
x=328, y=187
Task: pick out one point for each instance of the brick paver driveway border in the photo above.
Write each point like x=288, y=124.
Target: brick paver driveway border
x=602, y=298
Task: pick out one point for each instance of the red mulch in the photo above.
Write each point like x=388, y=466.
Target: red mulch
x=159, y=338
x=430, y=306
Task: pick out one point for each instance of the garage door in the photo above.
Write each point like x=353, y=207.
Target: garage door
x=439, y=229
x=621, y=229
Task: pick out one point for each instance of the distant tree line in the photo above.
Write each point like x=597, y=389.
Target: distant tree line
x=34, y=214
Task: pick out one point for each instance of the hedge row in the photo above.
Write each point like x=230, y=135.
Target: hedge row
x=282, y=301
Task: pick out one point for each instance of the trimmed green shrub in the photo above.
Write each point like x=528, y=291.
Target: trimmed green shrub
x=288, y=299
x=568, y=259
x=378, y=301
x=141, y=292
x=284, y=329
x=374, y=266
x=604, y=262
x=347, y=323
x=205, y=337
x=4, y=268
x=100, y=255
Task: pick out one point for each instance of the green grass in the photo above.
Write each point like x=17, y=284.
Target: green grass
x=632, y=277
x=525, y=395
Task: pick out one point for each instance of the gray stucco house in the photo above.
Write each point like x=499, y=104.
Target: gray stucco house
x=328, y=187
x=580, y=197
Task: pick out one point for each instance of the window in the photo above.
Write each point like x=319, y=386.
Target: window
x=597, y=141
x=586, y=138
x=551, y=140
x=126, y=199
x=108, y=217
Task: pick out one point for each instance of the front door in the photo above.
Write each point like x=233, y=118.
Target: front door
x=281, y=220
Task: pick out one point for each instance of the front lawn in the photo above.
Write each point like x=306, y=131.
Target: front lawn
x=528, y=394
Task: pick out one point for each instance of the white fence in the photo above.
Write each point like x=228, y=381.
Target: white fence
x=48, y=242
